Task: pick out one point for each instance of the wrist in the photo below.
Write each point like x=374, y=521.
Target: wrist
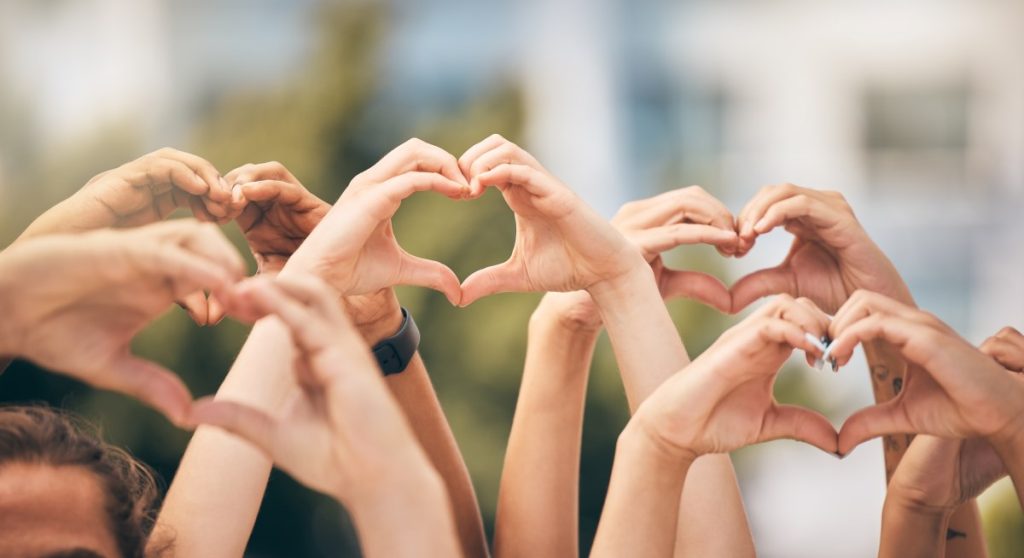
x=916, y=502
x=624, y=285
x=572, y=313
x=377, y=317
x=1009, y=441
x=640, y=436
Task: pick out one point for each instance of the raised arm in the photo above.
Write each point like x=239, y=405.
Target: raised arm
x=342, y=433
x=721, y=402
x=111, y=284
x=562, y=245
x=937, y=476
x=142, y=192
x=353, y=248
x=832, y=256
x=954, y=390
x=539, y=495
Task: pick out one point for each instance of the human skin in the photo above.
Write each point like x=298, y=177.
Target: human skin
x=721, y=402
x=538, y=499
x=112, y=284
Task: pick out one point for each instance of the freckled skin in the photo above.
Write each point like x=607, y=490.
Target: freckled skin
x=48, y=510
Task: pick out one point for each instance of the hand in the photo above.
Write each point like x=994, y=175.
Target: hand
x=958, y=391
x=278, y=213
x=831, y=257
x=110, y=284
x=655, y=225
x=342, y=430
x=941, y=474
x=723, y=400
x=141, y=192
x=354, y=248
x=561, y=244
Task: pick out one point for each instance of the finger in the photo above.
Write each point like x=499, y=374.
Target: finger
x=805, y=314
x=871, y=422
x=316, y=294
x=473, y=153
x=248, y=423
x=697, y=286
x=1007, y=354
x=797, y=423
x=799, y=206
x=218, y=189
x=762, y=283
x=152, y=384
x=215, y=310
x=499, y=278
x=886, y=327
x=505, y=153
x=779, y=331
x=684, y=205
x=278, y=191
x=271, y=170
x=528, y=178
x=415, y=155
x=308, y=330
x=404, y=185
x=862, y=304
x=182, y=271
x=200, y=211
x=197, y=307
x=156, y=170
x=759, y=204
x=430, y=274
x=662, y=239
x=208, y=242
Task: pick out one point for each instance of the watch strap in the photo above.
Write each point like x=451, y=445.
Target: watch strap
x=394, y=353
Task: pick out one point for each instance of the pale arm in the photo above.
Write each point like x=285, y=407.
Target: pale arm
x=538, y=501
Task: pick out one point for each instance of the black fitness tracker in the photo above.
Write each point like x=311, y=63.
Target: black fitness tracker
x=394, y=353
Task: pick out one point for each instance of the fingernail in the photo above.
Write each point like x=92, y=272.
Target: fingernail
x=760, y=225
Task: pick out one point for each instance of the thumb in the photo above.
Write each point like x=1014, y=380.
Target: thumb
x=197, y=307
x=798, y=423
x=152, y=384
x=871, y=422
x=430, y=274
x=697, y=286
x=244, y=421
x=765, y=282
x=501, y=278
x=215, y=310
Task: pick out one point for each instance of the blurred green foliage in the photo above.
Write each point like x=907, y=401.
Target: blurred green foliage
x=326, y=125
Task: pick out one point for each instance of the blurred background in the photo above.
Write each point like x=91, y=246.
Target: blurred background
x=913, y=109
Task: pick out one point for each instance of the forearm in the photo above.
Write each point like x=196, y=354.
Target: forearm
x=888, y=370
x=641, y=508
x=648, y=350
x=964, y=535
x=1010, y=448
x=538, y=499
x=910, y=530
x=213, y=501
x=415, y=394
x=72, y=215
x=409, y=515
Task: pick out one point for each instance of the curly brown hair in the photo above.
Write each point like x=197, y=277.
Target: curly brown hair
x=44, y=435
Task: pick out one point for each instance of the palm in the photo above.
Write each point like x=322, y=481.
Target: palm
x=816, y=274
x=305, y=445
x=274, y=231
x=558, y=248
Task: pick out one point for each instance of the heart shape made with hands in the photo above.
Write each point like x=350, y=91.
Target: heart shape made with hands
x=825, y=263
